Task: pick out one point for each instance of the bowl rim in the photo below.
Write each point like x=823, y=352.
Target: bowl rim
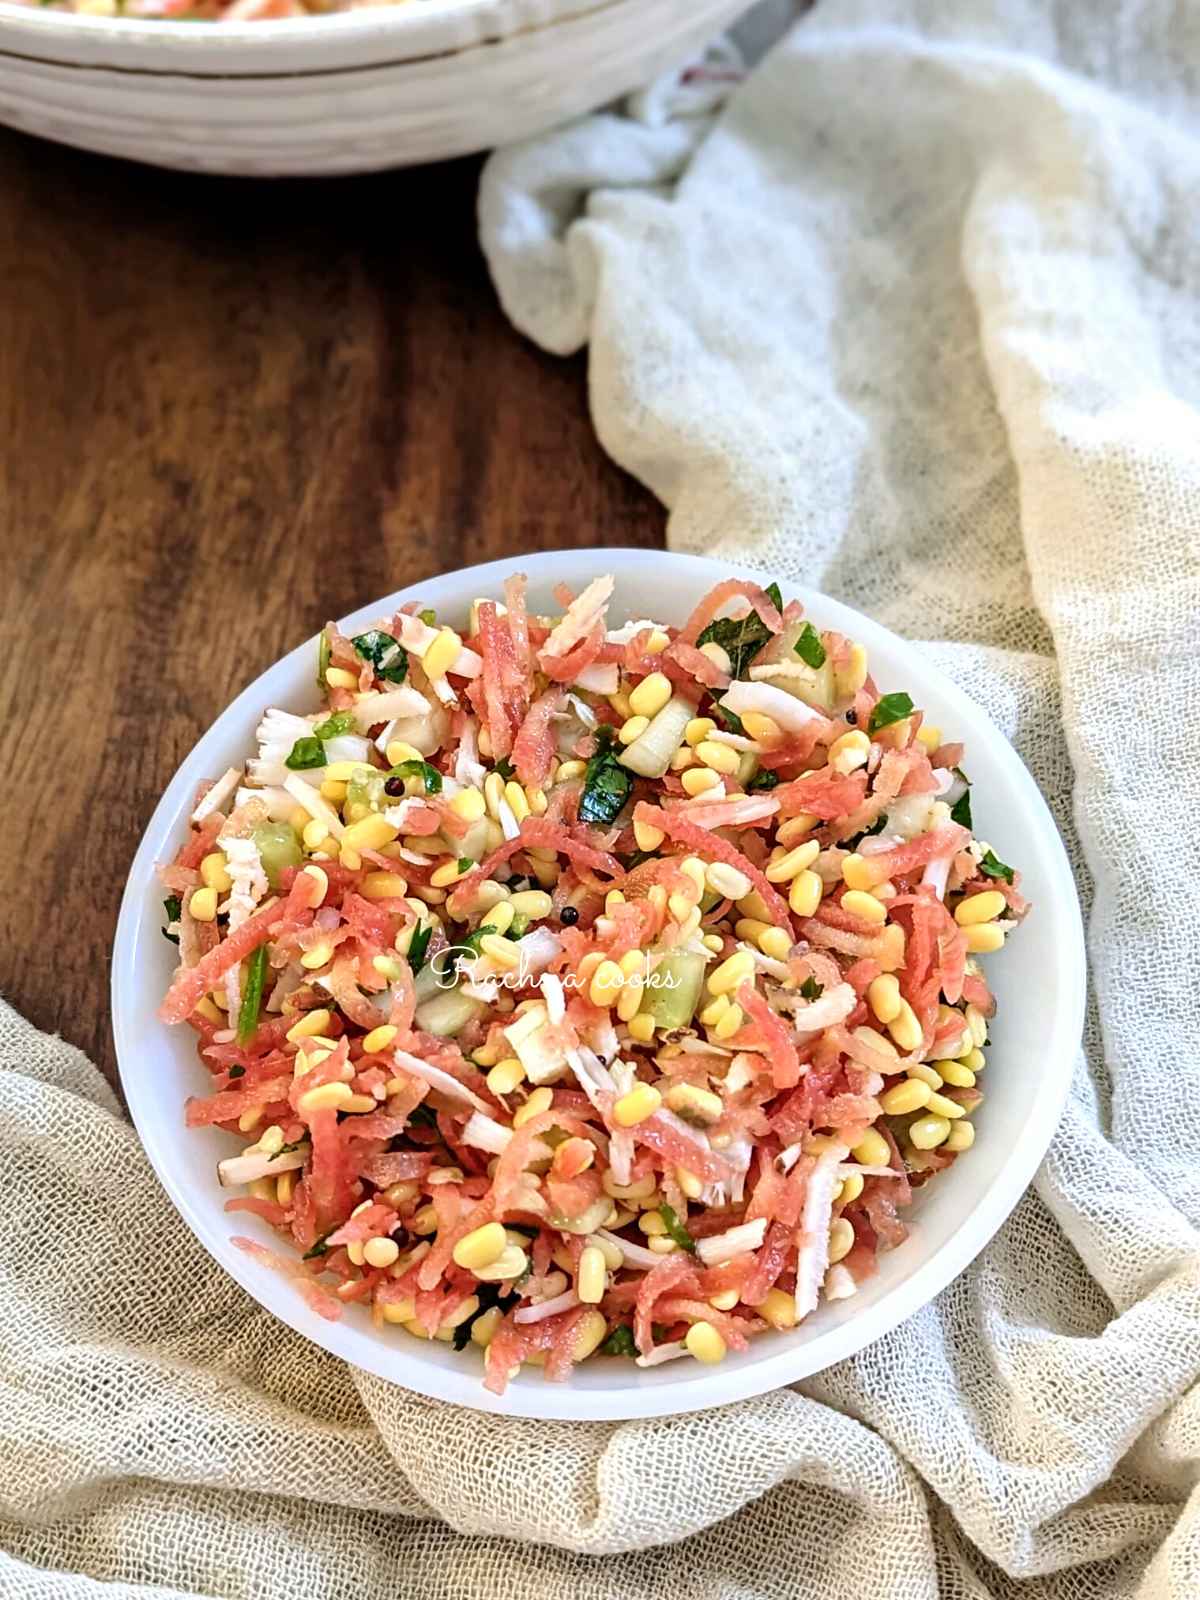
x=488, y=21
x=711, y=1386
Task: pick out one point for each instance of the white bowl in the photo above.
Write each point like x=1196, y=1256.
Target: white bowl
x=1038, y=980
x=351, y=92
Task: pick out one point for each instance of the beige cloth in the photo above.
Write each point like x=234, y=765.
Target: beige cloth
x=921, y=324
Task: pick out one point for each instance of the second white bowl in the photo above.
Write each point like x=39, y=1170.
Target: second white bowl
x=351, y=92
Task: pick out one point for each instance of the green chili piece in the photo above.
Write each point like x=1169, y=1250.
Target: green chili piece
x=252, y=994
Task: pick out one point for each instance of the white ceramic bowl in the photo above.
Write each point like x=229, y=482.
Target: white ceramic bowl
x=1038, y=980
x=352, y=92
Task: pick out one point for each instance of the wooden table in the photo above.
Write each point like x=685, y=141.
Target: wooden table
x=231, y=410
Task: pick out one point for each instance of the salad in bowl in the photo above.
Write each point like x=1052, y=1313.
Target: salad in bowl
x=585, y=988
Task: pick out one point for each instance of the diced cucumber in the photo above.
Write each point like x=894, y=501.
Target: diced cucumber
x=278, y=847
x=813, y=685
x=447, y=1012
x=365, y=788
x=650, y=756
x=673, y=989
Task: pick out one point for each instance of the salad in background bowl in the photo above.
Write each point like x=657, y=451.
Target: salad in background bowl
x=579, y=990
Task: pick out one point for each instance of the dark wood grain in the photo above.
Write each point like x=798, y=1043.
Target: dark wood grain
x=227, y=412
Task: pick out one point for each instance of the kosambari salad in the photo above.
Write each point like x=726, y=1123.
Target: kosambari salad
x=584, y=990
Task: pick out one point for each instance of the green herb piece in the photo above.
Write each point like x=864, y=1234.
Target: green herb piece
x=809, y=647
x=340, y=722
x=729, y=720
x=237, y=1071
x=995, y=868
x=324, y=653
x=960, y=811
x=430, y=776
x=173, y=906
x=891, y=708
x=418, y=945
x=252, y=994
x=319, y=1248
x=619, y=1342
x=518, y=926
x=741, y=638
x=810, y=989
x=305, y=754
x=762, y=780
x=386, y=655
x=504, y=767
x=286, y=1149
x=606, y=784
x=467, y=946
x=465, y=863
x=676, y=1229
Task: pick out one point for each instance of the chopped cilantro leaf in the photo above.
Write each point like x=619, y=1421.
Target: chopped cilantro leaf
x=809, y=647
x=320, y=1247
x=237, y=1071
x=891, y=708
x=504, y=767
x=810, y=989
x=741, y=638
x=173, y=906
x=606, y=783
x=762, y=780
x=619, y=1342
x=960, y=811
x=995, y=868
x=386, y=655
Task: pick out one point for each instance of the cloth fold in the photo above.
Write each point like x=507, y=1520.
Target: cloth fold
x=908, y=310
